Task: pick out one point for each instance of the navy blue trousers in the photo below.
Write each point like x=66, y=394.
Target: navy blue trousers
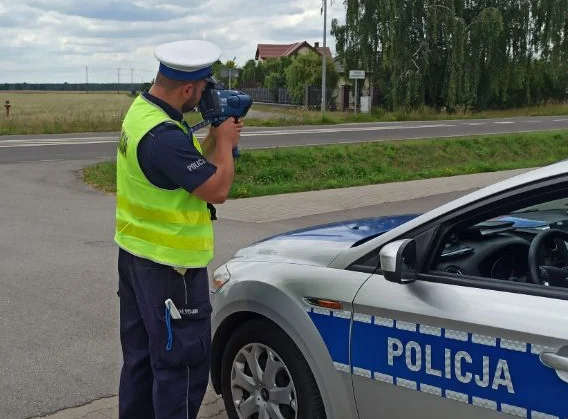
x=158, y=380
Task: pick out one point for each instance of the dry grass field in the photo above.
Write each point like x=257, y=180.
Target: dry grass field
x=60, y=112
x=71, y=112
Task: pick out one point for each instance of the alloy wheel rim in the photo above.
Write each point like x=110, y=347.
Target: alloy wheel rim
x=261, y=385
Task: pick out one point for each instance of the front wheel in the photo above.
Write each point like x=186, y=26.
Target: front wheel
x=265, y=376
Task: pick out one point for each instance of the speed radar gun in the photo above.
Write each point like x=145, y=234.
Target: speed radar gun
x=218, y=104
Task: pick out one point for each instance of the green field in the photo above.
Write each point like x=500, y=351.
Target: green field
x=70, y=112
x=269, y=172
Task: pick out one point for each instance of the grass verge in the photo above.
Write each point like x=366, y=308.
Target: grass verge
x=285, y=170
x=289, y=116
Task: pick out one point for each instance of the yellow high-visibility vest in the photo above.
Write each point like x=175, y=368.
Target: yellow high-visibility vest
x=171, y=227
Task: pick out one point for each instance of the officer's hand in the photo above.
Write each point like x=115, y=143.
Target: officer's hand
x=228, y=131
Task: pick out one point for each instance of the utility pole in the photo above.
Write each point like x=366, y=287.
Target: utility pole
x=118, y=82
x=324, y=59
x=87, y=77
x=131, y=79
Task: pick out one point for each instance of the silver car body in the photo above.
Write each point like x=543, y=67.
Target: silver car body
x=431, y=347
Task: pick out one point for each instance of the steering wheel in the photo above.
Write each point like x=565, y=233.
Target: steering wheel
x=543, y=274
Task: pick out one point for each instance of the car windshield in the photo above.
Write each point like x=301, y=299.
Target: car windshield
x=556, y=205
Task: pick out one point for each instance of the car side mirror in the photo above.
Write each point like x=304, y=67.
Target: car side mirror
x=398, y=261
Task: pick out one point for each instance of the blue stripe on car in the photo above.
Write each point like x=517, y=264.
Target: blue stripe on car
x=485, y=371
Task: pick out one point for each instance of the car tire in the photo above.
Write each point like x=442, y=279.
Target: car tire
x=259, y=335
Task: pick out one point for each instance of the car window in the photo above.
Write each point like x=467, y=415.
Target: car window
x=522, y=245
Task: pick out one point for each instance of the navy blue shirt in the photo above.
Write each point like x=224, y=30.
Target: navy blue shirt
x=167, y=156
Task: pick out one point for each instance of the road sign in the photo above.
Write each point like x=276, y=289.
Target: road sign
x=357, y=74
x=230, y=73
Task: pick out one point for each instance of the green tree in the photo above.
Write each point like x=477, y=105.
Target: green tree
x=252, y=74
x=458, y=53
x=306, y=70
x=274, y=71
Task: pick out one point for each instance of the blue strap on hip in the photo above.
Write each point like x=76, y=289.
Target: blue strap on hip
x=169, y=327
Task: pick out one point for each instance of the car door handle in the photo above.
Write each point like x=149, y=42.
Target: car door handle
x=555, y=361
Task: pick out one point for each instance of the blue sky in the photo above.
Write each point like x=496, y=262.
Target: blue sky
x=55, y=40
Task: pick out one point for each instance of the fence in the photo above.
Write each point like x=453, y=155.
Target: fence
x=264, y=94
x=312, y=96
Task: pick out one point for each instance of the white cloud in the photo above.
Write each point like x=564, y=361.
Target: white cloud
x=54, y=40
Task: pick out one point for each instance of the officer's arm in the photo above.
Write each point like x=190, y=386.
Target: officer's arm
x=208, y=146
x=215, y=190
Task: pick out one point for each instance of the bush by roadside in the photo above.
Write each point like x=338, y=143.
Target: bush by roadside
x=285, y=170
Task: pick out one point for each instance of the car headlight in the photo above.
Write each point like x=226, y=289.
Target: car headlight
x=220, y=278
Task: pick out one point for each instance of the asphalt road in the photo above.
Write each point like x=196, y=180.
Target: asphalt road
x=58, y=305
x=26, y=148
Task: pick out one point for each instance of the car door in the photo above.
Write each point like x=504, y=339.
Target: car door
x=451, y=344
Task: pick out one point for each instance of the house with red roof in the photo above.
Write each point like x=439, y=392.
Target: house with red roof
x=274, y=51
x=267, y=51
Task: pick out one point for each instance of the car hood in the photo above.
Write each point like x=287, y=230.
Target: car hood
x=320, y=244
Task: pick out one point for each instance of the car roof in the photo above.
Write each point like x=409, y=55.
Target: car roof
x=350, y=255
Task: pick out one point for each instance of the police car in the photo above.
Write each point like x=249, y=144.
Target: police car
x=461, y=312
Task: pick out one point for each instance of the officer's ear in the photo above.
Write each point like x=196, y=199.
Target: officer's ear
x=188, y=89
x=191, y=89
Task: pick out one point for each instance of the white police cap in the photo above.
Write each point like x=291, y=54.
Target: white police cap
x=187, y=60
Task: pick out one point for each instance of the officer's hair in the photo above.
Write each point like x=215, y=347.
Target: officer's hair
x=169, y=84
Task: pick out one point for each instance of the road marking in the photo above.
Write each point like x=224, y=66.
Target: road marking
x=560, y=120
x=341, y=129
x=476, y=124
x=527, y=131
x=40, y=142
x=102, y=140
x=503, y=122
x=58, y=139
x=58, y=143
x=40, y=161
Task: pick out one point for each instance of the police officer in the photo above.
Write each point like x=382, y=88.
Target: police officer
x=166, y=183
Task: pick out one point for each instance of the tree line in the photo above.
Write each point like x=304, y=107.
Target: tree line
x=292, y=73
x=70, y=87
x=458, y=54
